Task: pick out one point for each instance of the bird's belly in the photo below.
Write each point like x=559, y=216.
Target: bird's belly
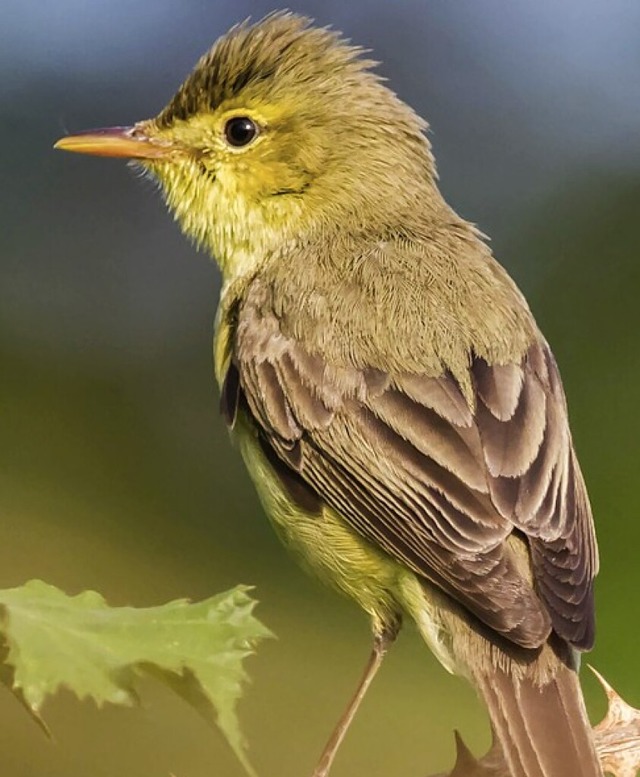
x=326, y=546
x=322, y=541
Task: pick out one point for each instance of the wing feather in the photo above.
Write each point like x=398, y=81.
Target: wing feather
x=435, y=480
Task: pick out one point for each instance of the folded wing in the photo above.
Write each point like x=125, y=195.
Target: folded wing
x=437, y=481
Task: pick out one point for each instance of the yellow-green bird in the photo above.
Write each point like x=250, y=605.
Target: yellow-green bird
x=397, y=407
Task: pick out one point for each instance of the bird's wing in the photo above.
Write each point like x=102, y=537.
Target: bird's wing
x=436, y=482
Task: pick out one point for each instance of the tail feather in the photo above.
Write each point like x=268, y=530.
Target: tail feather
x=544, y=730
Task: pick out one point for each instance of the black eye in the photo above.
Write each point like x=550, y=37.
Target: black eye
x=240, y=131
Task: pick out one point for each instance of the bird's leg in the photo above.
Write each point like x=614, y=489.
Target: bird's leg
x=382, y=640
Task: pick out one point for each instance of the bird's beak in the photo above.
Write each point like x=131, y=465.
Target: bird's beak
x=122, y=142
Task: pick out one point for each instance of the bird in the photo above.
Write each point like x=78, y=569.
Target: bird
x=397, y=407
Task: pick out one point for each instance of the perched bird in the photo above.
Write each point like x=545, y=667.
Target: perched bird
x=396, y=405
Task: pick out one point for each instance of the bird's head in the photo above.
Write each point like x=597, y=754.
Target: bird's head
x=281, y=129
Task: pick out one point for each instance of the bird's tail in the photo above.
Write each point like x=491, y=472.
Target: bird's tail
x=543, y=728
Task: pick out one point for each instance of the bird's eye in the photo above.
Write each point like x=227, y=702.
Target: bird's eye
x=240, y=131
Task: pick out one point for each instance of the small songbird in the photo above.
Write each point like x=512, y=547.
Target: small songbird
x=397, y=407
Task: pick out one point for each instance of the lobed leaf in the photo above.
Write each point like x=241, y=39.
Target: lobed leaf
x=52, y=640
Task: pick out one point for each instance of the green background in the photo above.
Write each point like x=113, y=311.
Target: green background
x=116, y=472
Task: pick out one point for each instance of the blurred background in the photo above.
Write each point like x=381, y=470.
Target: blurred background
x=116, y=472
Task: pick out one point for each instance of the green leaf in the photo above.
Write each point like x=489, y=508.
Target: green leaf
x=79, y=642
